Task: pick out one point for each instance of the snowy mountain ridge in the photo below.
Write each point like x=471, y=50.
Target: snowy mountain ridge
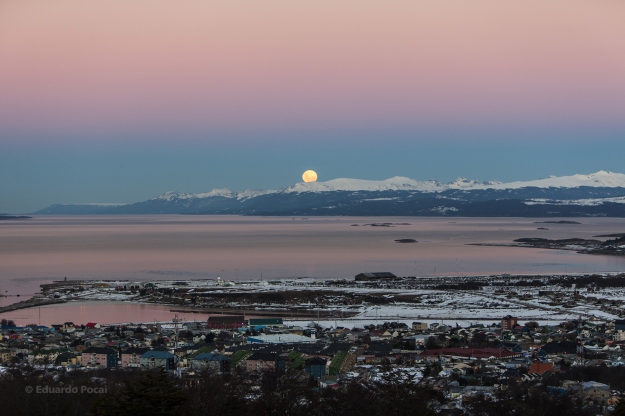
x=599, y=179
x=598, y=194
x=602, y=179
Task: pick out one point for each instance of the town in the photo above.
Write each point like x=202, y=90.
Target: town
x=579, y=357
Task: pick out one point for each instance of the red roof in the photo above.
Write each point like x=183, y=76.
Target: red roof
x=539, y=368
x=90, y=325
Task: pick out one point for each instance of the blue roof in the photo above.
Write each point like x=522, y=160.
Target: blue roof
x=157, y=354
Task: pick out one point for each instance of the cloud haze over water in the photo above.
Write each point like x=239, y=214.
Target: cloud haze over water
x=119, y=101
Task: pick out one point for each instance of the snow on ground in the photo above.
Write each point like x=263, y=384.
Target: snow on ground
x=403, y=305
x=585, y=202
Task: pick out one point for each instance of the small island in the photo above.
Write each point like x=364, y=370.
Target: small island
x=406, y=240
x=13, y=217
x=386, y=224
x=614, y=247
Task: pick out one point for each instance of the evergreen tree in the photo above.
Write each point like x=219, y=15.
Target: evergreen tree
x=154, y=393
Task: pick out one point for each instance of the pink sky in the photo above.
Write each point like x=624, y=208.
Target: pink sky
x=72, y=66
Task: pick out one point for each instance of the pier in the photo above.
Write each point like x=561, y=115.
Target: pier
x=30, y=303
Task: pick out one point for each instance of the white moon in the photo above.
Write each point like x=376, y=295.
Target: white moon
x=309, y=176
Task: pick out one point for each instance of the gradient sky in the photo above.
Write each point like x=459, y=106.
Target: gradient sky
x=118, y=101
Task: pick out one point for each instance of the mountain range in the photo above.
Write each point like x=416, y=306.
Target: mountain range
x=597, y=194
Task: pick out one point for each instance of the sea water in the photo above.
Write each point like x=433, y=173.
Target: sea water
x=177, y=247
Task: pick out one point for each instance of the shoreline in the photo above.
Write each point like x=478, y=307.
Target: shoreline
x=30, y=303
x=552, y=297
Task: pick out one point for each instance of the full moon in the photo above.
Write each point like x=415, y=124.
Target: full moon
x=309, y=176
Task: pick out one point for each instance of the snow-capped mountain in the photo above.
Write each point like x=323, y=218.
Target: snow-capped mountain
x=597, y=194
x=171, y=196
x=401, y=183
x=601, y=179
x=398, y=183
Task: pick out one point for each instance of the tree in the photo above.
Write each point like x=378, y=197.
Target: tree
x=153, y=393
x=431, y=343
x=532, y=325
x=398, y=393
x=283, y=394
x=219, y=394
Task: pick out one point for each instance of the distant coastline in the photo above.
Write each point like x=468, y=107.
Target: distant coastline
x=614, y=247
x=13, y=217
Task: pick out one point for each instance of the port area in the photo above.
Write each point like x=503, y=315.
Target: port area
x=545, y=298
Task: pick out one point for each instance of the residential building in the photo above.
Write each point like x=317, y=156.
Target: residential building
x=265, y=362
x=540, y=367
x=509, y=322
x=215, y=362
x=419, y=326
x=155, y=359
x=316, y=367
x=99, y=357
x=131, y=357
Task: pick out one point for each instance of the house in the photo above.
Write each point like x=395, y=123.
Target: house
x=92, y=325
x=419, y=326
x=382, y=333
x=511, y=346
x=45, y=355
x=419, y=339
x=511, y=374
x=455, y=390
x=598, y=392
x=559, y=347
x=539, y=367
x=216, y=362
x=226, y=321
x=99, y=357
x=66, y=359
x=265, y=362
x=6, y=355
x=516, y=363
x=157, y=359
x=316, y=367
x=131, y=356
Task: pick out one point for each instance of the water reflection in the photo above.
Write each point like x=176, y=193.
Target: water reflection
x=99, y=312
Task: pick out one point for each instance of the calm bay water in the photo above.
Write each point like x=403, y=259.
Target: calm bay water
x=100, y=312
x=171, y=247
